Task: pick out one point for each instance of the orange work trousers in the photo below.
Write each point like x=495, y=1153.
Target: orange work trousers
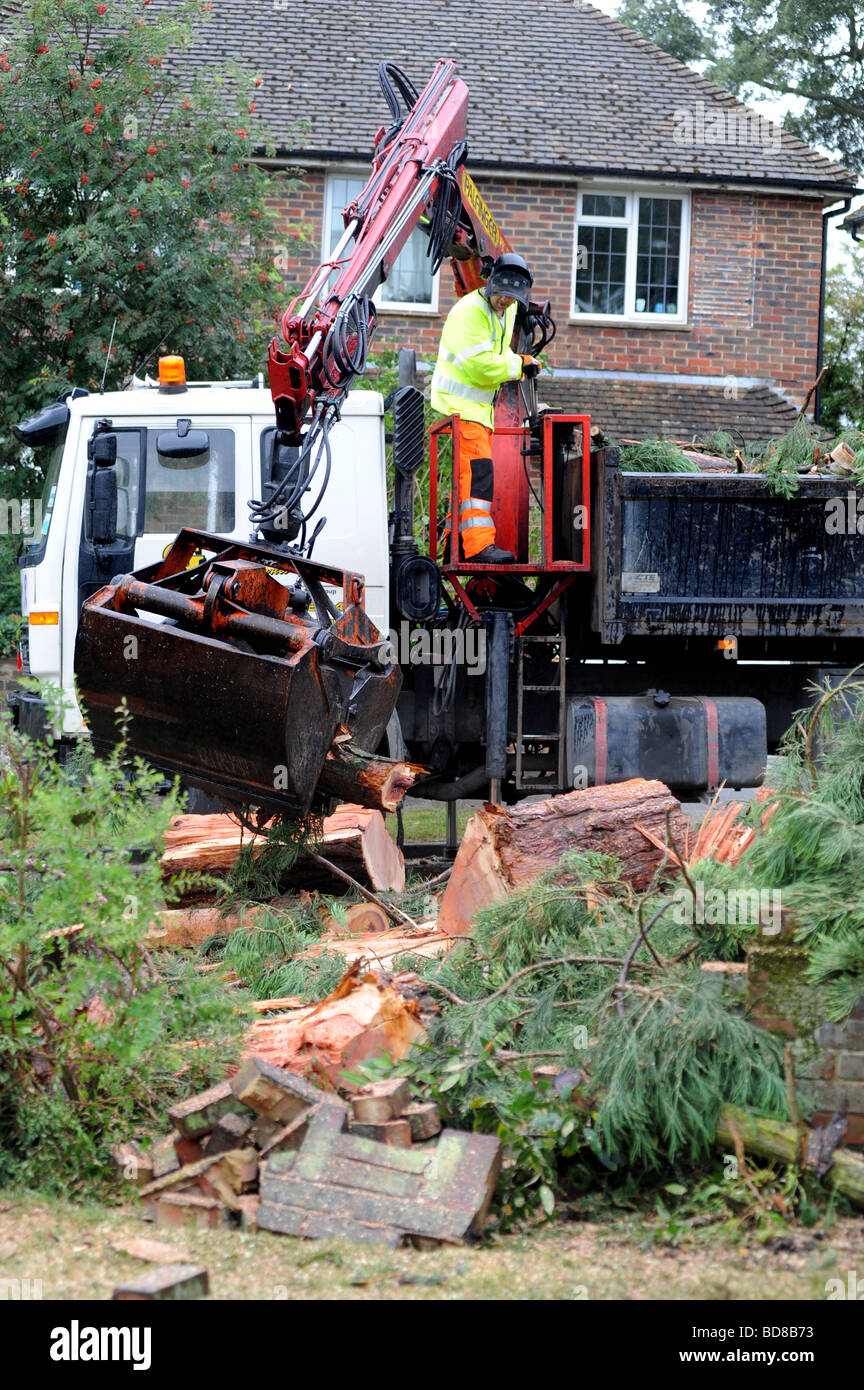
x=476, y=479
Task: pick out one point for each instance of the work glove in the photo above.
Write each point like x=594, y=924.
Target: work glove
x=530, y=365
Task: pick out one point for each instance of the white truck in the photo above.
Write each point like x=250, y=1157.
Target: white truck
x=63, y=564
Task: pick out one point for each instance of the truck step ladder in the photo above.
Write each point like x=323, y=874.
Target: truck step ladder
x=546, y=771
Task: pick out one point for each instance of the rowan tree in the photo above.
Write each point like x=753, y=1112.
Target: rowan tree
x=127, y=194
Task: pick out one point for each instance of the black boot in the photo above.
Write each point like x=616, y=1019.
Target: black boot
x=492, y=555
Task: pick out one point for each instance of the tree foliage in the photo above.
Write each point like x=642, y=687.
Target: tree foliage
x=810, y=49
x=96, y=1036
x=125, y=193
x=666, y=23
x=843, y=385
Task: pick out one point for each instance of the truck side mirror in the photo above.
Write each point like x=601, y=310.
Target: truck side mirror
x=184, y=449
x=103, y=450
x=102, y=495
x=103, y=506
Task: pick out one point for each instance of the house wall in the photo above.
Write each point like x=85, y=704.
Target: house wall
x=753, y=282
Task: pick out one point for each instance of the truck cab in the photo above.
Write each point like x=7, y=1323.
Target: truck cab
x=113, y=501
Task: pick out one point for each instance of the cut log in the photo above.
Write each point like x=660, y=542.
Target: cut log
x=782, y=1142
x=354, y=838
x=360, y=920
x=360, y=1019
x=503, y=849
x=190, y=926
x=356, y=776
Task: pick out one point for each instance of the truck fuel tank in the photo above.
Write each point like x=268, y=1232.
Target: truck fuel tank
x=690, y=742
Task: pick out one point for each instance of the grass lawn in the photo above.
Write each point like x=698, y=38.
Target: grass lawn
x=70, y=1248
x=425, y=822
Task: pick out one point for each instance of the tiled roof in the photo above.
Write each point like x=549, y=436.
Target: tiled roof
x=625, y=408
x=554, y=86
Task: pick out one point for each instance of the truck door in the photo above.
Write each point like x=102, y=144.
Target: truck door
x=113, y=512
x=154, y=497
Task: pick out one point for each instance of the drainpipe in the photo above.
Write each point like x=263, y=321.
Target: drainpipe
x=829, y=213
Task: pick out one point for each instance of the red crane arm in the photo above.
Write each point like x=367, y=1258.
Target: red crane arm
x=417, y=176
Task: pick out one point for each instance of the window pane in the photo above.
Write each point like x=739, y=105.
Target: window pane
x=128, y=470
x=600, y=270
x=604, y=205
x=410, y=280
x=202, y=496
x=658, y=261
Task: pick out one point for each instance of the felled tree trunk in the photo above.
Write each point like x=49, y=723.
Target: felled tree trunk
x=357, y=777
x=503, y=849
x=355, y=838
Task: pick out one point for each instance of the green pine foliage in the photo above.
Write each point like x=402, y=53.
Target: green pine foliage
x=813, y=846
x=655, y=455
x=259, y=871
x=538, y=981
x=666, y=1074
x=265, y=956
x=97, y=1037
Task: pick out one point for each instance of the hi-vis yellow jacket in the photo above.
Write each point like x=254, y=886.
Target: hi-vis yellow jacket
x=474, y=358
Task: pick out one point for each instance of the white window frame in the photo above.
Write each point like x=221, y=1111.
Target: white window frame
x=390, y=306
x=632, y=194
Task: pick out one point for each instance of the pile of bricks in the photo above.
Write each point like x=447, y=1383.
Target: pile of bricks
x=268, y=1150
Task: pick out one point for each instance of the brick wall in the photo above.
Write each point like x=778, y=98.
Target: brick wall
x=829, y=1057
x=753, y=293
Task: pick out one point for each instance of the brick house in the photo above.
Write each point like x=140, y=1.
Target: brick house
x=679, y=236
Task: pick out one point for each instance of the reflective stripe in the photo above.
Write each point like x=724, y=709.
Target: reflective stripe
x=459, y=359
x=456, y=388
x=476, y=504
x=475, y=521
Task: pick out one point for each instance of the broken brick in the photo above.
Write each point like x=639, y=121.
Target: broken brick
x=270, y=1091
x=381, y=1101
x=200, y=1114
x=229, y=1133
x=424, y=1119
x=165, y=1282
x=396, y=1133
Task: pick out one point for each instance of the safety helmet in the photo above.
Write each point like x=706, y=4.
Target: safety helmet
x=510, y=275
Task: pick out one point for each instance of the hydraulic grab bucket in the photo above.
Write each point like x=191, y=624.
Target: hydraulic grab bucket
x=237, y=668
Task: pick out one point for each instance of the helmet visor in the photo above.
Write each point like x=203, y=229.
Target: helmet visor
x=513, y=282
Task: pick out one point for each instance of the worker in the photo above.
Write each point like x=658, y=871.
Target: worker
x=474, y=359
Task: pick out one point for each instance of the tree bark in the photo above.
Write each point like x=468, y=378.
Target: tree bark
x=359, y=778
x=503, y=849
